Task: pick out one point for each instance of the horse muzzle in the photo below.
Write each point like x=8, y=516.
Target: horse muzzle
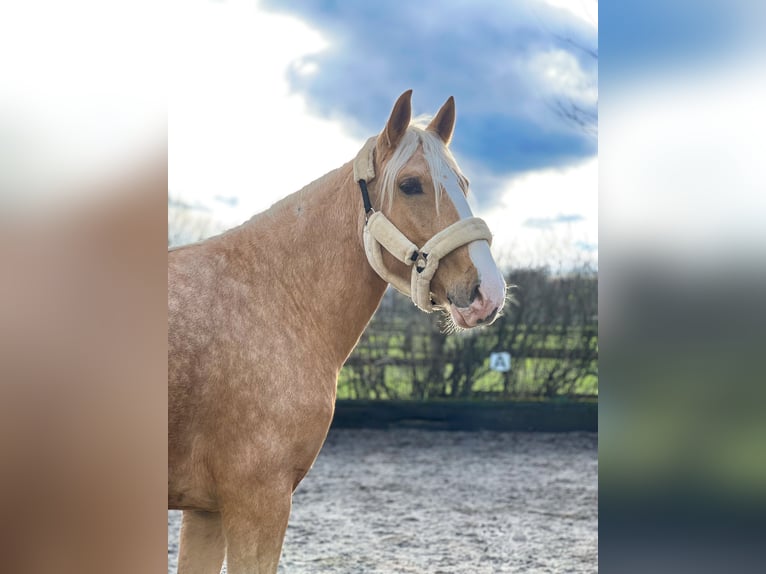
x=482, y=310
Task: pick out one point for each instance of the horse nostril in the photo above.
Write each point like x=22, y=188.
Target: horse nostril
x=489, y=318
x=475, y=294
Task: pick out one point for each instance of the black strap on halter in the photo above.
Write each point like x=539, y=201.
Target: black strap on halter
x=365, y=197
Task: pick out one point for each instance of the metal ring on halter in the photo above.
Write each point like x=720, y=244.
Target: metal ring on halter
x=421, y=262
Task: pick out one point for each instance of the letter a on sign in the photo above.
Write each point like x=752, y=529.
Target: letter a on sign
x=500, y=362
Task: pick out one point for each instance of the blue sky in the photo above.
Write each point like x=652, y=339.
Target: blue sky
x=647, y=36
x=267, y=96
x=524, y=74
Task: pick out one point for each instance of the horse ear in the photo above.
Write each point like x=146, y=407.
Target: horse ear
x=399, y=120
x=444, y=121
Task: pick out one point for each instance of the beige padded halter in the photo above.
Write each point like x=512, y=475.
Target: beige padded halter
x=380, y=233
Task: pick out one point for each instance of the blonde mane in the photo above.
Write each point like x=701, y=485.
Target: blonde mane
x=438, y=157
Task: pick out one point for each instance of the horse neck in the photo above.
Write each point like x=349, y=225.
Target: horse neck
x=320, y=284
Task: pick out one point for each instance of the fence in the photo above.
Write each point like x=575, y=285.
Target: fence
x=550, y=328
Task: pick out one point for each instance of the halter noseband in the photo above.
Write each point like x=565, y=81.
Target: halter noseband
x=380, y=233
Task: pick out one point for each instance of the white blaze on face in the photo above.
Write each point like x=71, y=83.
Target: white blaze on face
x=491, y=281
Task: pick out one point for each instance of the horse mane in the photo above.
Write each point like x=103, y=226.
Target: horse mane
x=440, y=162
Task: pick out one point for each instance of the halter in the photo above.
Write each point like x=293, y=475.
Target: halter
x=380, y=233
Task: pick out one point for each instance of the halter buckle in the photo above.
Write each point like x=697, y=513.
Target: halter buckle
x=421, y=262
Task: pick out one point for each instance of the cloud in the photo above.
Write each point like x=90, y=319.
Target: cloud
x=684, y=163
x=563, y=203
x=548, y=222
x=524, y=74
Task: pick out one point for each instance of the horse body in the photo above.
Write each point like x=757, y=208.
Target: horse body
x=261, y=319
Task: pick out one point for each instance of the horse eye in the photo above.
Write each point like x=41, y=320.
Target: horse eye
x=411, y=186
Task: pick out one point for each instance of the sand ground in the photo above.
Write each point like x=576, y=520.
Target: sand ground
x=422, y=501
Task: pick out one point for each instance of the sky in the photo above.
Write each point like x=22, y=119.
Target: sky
x=684, y=131
x=238, y=90
x=266, y=97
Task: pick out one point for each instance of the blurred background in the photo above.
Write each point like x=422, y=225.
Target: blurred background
x=682, y=431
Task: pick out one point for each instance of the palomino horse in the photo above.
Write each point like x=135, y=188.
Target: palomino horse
x=262, y=317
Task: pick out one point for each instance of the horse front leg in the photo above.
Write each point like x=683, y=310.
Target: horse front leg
x=202, y=546
x=255, y=530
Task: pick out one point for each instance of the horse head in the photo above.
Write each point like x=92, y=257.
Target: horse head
x=420, y=234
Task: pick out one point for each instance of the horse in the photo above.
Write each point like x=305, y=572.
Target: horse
x=262, y=317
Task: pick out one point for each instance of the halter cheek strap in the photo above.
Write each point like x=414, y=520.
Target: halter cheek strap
x=380, y=233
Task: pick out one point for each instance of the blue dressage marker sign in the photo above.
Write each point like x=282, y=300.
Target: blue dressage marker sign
x=500, y=362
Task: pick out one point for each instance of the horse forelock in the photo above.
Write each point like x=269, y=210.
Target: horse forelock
x=441, y=163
